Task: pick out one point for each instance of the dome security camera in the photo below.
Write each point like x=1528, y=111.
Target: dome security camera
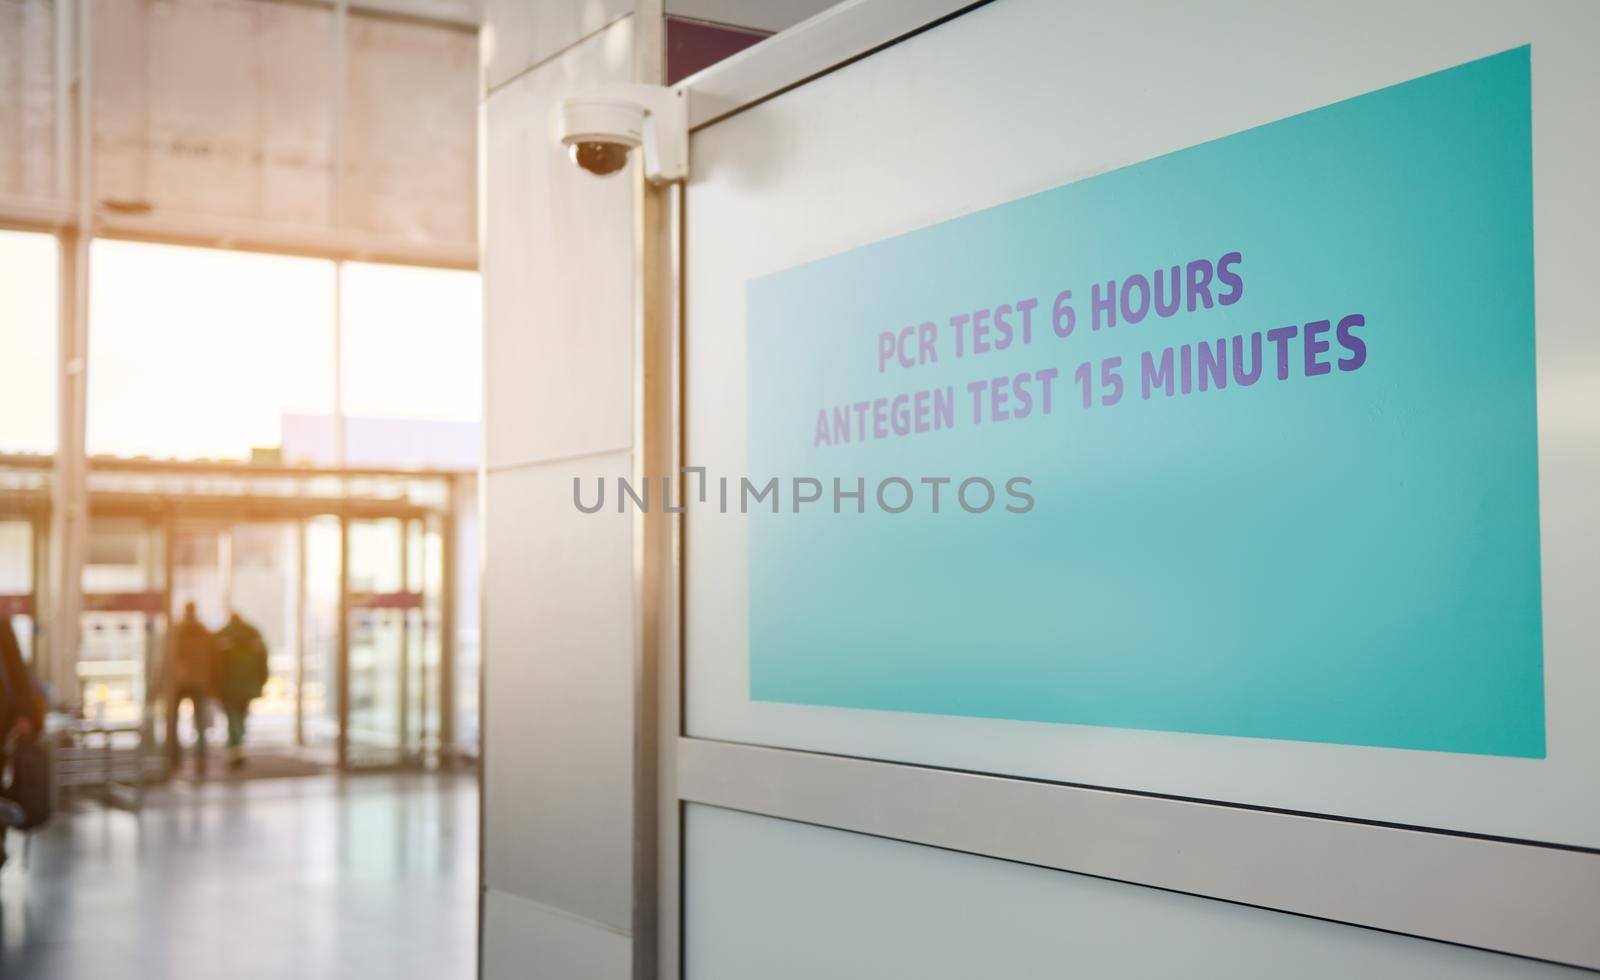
x=601, y=127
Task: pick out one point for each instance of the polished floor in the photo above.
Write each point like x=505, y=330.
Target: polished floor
x=305, y=878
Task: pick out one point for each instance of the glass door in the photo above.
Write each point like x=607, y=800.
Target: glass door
x=318, y=684
x=263, y=589
x=253, y=569
x=18, y=601
x=124, y=619
x=380, y=606
x=395, y=630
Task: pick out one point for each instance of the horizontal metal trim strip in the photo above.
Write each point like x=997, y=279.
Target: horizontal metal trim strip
x=1503, y=896
x=840, y=34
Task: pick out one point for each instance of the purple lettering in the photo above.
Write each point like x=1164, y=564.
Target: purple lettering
x=1199, y=283
x=1045, y=377
x=1103, y=304
x=980, y=332
x=1212, y=366
x=997, y=400
x=1019, y=391
x=1025, y=307
x=1152, y=376
x=1314, y=347
x=976, y=387
x=957, y=322
x=1131, y=313
x=1241, y=377
x=926, y=334
x=1229, y=278
x=1281, y=336
x=1350, y=342
x=944, y=408
x=1002, y=326
x=1168, y=305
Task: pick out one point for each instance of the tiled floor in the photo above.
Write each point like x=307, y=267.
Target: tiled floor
x=308, y=878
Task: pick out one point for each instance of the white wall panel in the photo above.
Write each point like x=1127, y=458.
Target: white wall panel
x=558, y=632
x=523, y=940
x=558, y=820
x=411, y=134
x=523, y=33
x=27, y=98
x=777, y=900
x=557, y=267
x=226, y=108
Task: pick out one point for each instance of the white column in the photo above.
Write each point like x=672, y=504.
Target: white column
x=69, y=513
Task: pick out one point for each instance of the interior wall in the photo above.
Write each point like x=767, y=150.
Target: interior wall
x=27, y=98
x=853, y=905
x=227, y=108
x=558, y=629
x=211, y=112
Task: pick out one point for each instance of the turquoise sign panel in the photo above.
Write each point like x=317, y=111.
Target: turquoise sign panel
x=1237, y=441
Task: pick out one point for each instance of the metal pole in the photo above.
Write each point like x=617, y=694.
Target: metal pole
x=341, y=16
x=339, y=459
x=69, y=517
x=69, y=485
x=655, y=841
x=422, y=640
x=39, y=541
x=403, y=657
x=225, y=566
x=447, y=628
x=343, y=664
x=300, y=635
x=169, y=565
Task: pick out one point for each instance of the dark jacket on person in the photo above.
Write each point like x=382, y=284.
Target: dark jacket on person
x=242, y=662
x=18, y=696
x=192, y=663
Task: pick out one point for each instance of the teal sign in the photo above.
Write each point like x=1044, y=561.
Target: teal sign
x=1237, y=441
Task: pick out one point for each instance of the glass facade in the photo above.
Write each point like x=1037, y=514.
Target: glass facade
x=28, y=273
x=201, y=362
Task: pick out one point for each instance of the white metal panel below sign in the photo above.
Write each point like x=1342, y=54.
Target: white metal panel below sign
x=778, y=900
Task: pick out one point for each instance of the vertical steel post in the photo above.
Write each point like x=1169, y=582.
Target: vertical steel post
x=69, y=514
x=301, y=531
x=343, y=663
x=655, y=844
x=422, y=640
x=447, y=627
x=403, y=657
x=341, y=17
x=163, y=649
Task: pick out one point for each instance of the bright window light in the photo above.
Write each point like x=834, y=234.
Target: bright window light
x=199, y=353
x=413, y=342
x=28, y=296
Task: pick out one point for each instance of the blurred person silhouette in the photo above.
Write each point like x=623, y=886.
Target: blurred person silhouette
x=242, y=674
x=191, y=675
x=21, y=722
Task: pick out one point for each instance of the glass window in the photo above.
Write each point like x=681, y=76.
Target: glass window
x=413, y=342
x=28, y=285
x=199, y=353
